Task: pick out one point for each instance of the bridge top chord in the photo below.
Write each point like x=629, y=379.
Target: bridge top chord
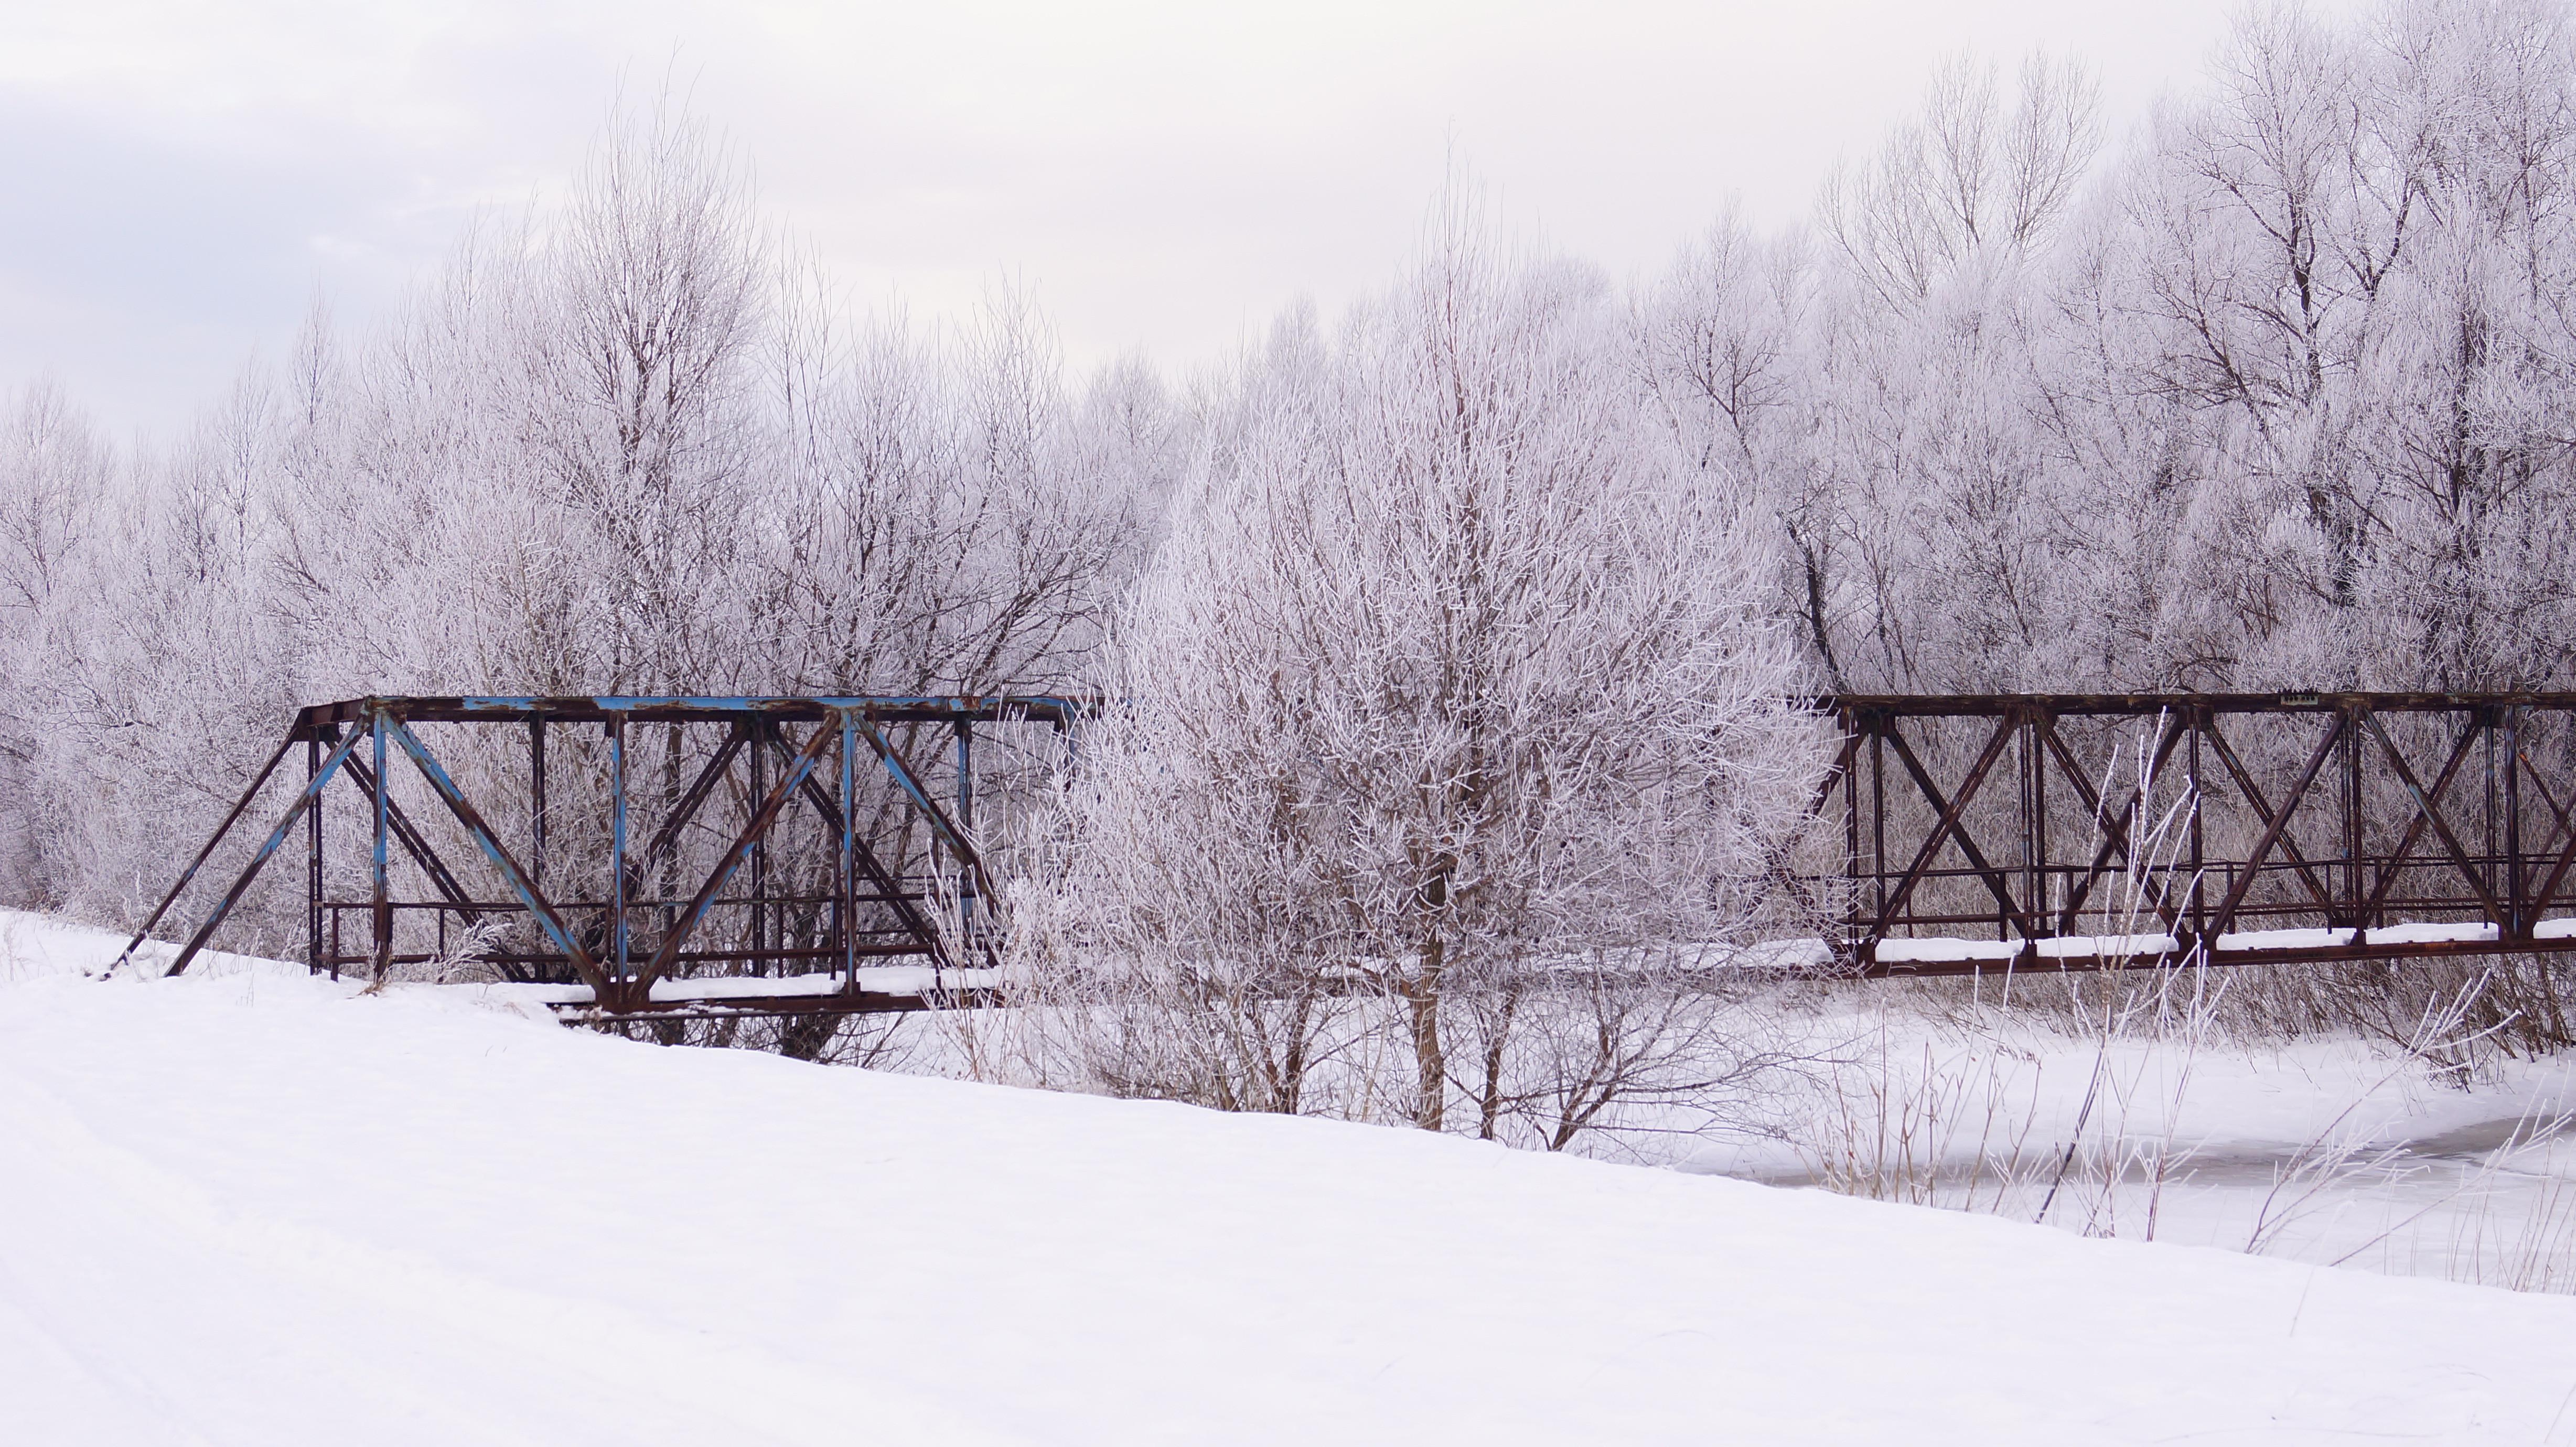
x=661, y=708
x=1998, y=705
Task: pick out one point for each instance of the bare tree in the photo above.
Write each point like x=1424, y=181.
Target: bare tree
x=1965, y=181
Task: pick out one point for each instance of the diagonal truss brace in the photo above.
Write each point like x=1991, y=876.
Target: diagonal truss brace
x=799, y=770
x=547, y=917
x=2113, y=825
x=863, y=859
x=1949, y=829
x=268, y=847
x=2428, y=811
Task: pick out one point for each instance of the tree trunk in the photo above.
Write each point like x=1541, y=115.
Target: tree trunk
x=1431, y=1066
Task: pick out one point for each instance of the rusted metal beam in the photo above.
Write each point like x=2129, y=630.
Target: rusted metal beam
x=969, y=862
x=686, y=810
x=801, y=768
x=231, y=817
x=2224, y=959
x=511, y=874
x=1948, y=828
x=1895, y=878
x=2276, y=826
x=2491, y=871
x=600, y=709
x=844, y=824
x=2114, y=826
x=415, y=843
x=277, y=836
x=2427, y=812
x=1995, y=705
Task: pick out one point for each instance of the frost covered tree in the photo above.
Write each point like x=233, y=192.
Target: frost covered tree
x=2268, y=405
x=1966, y=182
x=615, y=444
x=60, y=488
x=1443, y=631
x=1452, y=669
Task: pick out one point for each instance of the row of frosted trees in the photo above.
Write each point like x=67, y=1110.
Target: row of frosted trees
x=1450, y=633
x=2280, y=399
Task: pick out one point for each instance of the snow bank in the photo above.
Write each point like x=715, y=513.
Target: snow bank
x=876, y=979
x=1894, y=951
x=256, y=1208
x=2285, y=939
x=2432, y=934
x=35, y=945
x=2110, y=946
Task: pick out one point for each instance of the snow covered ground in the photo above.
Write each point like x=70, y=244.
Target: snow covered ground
x=248, y=1207
x=2326, y=1151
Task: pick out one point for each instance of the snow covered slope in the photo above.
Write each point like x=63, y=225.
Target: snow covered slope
x=252, y=1208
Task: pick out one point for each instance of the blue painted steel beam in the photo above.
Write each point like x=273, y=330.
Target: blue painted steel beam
x=970, y=864
x=843, y=821
x=985, y=708
x=966, y=823
x=382, y=915
x=547, y=918
x=847, y=905
x=617, y=890
x=387, y=722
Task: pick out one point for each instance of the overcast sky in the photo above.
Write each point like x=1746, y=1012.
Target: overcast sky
x=180, y=180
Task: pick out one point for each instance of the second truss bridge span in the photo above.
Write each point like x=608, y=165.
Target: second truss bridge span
x=2005, y=831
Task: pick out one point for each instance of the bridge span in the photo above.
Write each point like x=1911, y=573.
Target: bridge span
x=775, y=856
x=2065, y=831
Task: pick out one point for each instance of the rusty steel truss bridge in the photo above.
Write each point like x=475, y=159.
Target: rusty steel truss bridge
x=1999, y=832
x=647, y=855
x=697, y=857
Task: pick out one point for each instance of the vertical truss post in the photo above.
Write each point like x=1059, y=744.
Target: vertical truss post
x=2486, y=718
x=845, y=900
x=2199, y=901
x=2516, y=926
x=1851, y=833
x=966, y=823
x=617, y=848
x=764, y=814
x=547, y=917
x=1878, y=815
x=943, y=828
x=383, y=910
x=537, y=799
x=2021, y=805
x=759, y=860
x=2352, y=813
x=2037, y=761
x=313, y=861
